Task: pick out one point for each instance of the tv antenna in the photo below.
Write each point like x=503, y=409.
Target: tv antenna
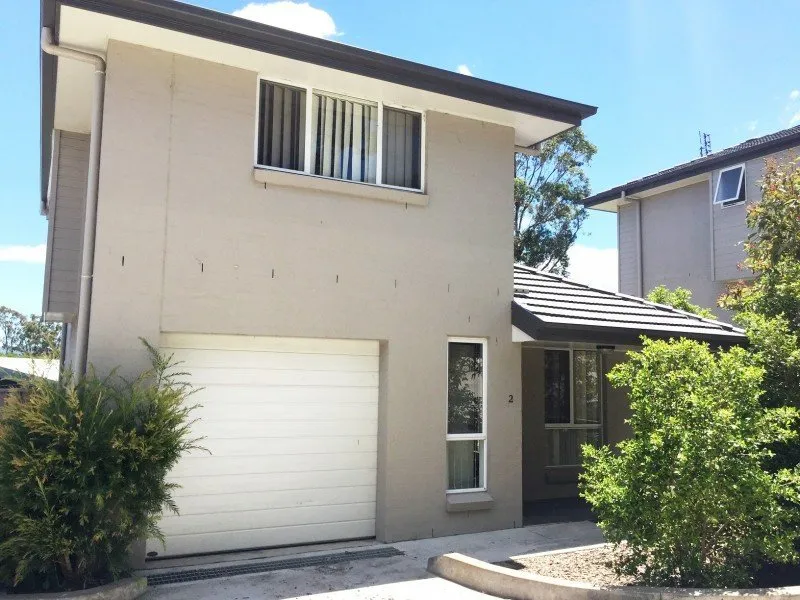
x=705, y=143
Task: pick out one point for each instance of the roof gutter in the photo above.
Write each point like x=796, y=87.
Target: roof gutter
x=90, y=218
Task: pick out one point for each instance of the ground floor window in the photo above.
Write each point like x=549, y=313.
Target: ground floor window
x=573, y=404
x=466, y=414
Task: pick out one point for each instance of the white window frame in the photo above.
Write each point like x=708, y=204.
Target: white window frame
x=732, y=201
x=307, y=166
x=455, y=437
x=600, y=396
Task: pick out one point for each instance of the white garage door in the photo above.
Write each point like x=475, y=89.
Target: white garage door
x=291, y=425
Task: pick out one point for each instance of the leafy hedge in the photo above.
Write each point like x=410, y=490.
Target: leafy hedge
x=687, y=499
x=82, y=473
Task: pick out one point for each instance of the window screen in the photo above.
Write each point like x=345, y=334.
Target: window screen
x=402, y=141
x=344, y=138
x=556, y=386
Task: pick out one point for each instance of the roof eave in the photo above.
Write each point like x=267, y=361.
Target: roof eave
x=535, y=327
x=221, y=27
x=228, y=29
x=691, y=170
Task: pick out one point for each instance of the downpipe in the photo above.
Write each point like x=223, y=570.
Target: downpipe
x=90, y=219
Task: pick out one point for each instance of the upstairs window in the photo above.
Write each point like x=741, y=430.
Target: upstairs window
x=730, y=186
x=282, y=125
x=573, y=406
x=402, y=142
x=327, y=135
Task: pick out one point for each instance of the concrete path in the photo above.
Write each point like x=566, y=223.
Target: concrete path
x=396, y=578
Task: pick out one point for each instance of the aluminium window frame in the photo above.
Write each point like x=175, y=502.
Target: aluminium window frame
x=308, y=167
x=456, y=437
x=740, y=190
x=600, y=396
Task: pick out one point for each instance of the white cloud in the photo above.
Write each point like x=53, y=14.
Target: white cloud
x=795, y=118
x=23, y=254
x=594, y=266
x=294, y=16
x=794, y=95
x=464, y=70
x=752, y=125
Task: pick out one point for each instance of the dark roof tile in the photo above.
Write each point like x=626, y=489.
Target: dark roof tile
x=549, y=307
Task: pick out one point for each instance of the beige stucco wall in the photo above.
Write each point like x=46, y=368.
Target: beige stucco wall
x=676, y=245
x=537, y=483
x=207, y=249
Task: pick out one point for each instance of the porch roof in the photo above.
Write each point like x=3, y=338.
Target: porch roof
x=551, y=308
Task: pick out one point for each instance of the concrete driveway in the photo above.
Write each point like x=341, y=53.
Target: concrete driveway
x=397, y=578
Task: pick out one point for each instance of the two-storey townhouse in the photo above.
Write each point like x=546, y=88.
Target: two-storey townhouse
x=685, y=226
x=321, y=235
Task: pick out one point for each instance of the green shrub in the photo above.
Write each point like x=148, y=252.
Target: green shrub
x=82, y=474
x=686, y=499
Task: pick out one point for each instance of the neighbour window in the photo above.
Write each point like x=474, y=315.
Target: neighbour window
x=730, y=186
x=466, y=414
x=338, y=137
x=282, y=124
x=573, y=406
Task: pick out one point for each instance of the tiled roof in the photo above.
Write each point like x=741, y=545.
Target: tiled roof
x=760, y=146
x=549, y=307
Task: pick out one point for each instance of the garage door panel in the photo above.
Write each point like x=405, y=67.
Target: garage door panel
x=234, y=484
x=206, y=376
x=278, y=446
x=282, y=395
x=290, y=428
x=243, y=520
x=260, y=538
x=281, y=361
x=280, y=428
x=219, y=503
x=319, y=411
x=173, y=342
x=212, y=466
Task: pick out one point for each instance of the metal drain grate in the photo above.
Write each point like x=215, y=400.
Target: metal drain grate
x=276, y=565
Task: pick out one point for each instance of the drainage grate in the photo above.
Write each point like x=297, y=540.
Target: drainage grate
x=276, y=565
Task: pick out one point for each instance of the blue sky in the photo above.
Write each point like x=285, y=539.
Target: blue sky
x=658, y=71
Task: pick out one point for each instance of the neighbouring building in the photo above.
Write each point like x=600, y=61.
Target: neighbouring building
x=684, y=226
x=322, y=235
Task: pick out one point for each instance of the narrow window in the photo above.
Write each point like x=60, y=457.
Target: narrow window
x=281, y=126
x=344, y=137
x=573, y=404
x=466, y=414
x=402, y=141
x=730, y=186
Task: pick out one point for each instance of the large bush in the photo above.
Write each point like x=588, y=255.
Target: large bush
x=82, y=474
x=686, y=499
x=768, y=307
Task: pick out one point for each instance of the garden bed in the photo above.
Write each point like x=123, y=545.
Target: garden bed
x=594, y=566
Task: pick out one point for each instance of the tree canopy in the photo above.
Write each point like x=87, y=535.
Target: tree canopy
x=769, y=306
x=679, y=298
x=27, y=336
x=547, y=191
